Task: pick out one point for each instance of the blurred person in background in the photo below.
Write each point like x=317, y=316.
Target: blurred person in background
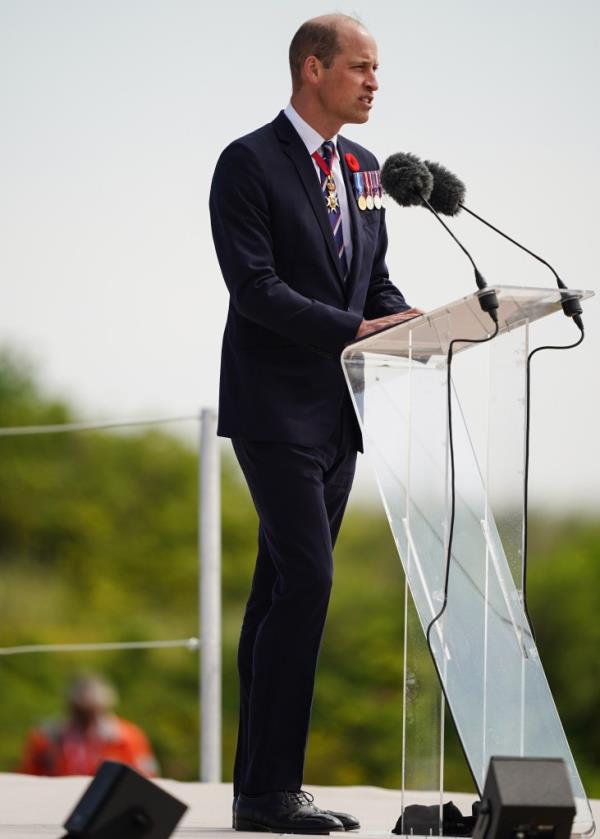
x=89, y=735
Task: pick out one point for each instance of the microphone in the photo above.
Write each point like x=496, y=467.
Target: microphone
x=447, y=197
x=406, y=179
x=410, y=182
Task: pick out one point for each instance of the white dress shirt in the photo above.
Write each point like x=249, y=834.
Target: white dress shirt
x=313, y=142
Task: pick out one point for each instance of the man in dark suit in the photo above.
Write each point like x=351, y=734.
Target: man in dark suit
x=301, y=240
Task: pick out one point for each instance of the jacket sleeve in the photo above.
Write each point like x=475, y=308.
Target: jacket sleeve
x=240, y=219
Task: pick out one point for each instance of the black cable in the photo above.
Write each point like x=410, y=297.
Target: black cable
x=571, y=306
x=452, y=470
x=559, y=282
x=579, y=325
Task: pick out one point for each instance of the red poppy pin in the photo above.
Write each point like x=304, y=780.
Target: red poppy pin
x=352, y=162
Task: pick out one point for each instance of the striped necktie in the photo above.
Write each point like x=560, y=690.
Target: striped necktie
x=333, y=205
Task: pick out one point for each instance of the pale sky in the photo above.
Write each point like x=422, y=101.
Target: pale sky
x=114, y=113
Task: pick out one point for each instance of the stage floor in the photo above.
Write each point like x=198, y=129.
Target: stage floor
x=35, y=808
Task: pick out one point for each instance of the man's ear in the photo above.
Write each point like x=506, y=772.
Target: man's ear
x=311, y=70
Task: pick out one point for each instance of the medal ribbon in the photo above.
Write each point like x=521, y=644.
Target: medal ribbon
x=377, y=182
x=334, y=212
x=321, y=163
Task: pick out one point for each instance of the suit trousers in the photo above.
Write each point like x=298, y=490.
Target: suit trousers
x=300, y=494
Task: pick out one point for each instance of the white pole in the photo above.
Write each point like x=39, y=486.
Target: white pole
x=209, y=515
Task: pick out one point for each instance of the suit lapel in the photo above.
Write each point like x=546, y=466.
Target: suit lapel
x=356, y=221
x=296, y=151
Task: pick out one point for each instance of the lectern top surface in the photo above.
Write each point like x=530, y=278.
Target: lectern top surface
x=431, y=333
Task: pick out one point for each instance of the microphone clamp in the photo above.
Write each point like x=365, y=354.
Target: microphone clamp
x=571, y=304
x=488, y=301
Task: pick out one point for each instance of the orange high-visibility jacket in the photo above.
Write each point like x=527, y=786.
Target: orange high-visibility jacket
x=63, y=748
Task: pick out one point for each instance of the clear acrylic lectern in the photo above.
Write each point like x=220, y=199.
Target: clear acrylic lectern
x=485, y=657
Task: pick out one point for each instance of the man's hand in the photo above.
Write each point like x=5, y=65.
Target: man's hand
x=367, y=327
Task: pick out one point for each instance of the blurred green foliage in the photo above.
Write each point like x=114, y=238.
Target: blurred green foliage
x=98, y=542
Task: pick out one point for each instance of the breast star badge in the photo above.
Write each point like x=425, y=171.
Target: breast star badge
x=332, y=202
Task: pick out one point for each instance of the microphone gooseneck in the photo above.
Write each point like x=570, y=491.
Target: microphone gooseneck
x=409, y=182
x=447, y=197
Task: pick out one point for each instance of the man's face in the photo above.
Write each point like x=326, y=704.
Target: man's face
x=346, y=89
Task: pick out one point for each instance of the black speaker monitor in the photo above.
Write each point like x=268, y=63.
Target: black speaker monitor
x=524, y=798
x=122, y=804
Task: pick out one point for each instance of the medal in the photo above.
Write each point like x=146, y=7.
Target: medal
x=377, y=196
x=331, y=199
x=359, y=190
x=370, y=201
x=332, y=202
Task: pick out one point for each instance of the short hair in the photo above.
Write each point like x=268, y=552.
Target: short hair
x=90, y=689
x=319, y=38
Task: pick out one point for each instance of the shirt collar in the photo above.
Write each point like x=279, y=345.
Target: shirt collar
x=311, y=138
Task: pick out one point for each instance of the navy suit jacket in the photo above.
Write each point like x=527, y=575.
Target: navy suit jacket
x=290, y=313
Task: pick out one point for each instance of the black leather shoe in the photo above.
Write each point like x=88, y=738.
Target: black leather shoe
x=282, y=812
x=348, y=822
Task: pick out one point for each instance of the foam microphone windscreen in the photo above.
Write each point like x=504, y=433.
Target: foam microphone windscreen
x=448, y=191
x=406, y=179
